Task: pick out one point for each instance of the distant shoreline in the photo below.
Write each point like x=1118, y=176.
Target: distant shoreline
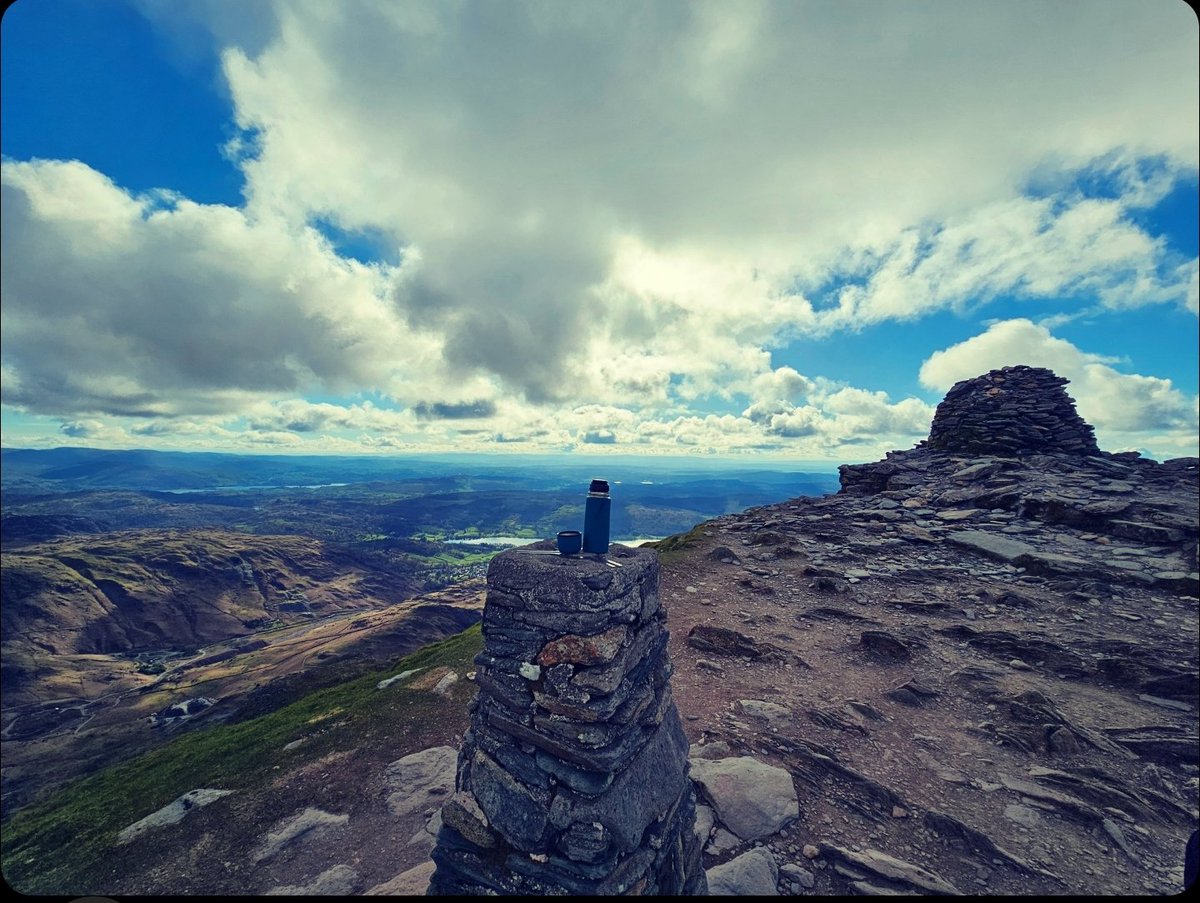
x=525, y=540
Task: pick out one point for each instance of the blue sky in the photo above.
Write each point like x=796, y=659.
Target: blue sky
x=755, y=229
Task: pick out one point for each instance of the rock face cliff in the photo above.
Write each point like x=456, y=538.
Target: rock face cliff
x=574, y=775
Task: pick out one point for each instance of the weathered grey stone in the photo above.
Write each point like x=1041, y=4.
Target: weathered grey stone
x=1061, y=740
x=585, y=841
x=463, y=814
x=516, y=761
x=1022, y=815
x=339, y=881
x=801, y=876
x=308, y=824
x=410, y=883
x=172, y=813
x=717, y=749
x=723, y=840
x=999, y=547
x=705, y=819
x=426, y=837
x=548, y=583
x=884, y=645
x=771, y=712
x=509, y=689
x=443, y=686
x=980, y=470
x=893, y=869
x=753, y=799
x=561, y=744
x=753, y=874
x=723, y=641
x=421, y=781
x=644, y=790
x=904, y=695
x=1114, y=832
x=507, y=803
x=1155, y=533
x=578, y=779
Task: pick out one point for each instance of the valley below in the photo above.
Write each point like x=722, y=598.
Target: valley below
x=227, y=586
x=113, y=643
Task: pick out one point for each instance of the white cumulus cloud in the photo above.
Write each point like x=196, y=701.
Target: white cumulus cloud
x=1121, y=406
x=609, y=217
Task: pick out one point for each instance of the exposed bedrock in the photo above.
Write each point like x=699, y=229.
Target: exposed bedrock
x=573, y=777
x=1011, y=441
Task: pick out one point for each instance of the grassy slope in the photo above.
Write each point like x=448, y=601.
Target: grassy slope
x=674, y=548
x=61, y=843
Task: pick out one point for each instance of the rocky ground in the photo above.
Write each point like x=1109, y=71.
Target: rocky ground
x=984, y=667
x=982, y=680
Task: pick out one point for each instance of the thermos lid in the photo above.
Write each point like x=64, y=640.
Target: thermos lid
x=599, y=486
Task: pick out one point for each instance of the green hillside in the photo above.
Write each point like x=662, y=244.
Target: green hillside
x=59, y=846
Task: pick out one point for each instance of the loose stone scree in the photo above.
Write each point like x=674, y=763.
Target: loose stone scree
x=573, y=777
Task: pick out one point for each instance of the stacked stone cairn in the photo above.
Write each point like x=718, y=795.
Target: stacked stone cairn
x=1011, y=411
x=573, y=777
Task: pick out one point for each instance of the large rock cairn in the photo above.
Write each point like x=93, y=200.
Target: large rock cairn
x=573, y=777
x=1011, y=411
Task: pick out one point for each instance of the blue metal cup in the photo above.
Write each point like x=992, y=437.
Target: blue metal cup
x=570, y=542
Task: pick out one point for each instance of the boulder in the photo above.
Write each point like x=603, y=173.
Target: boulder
x=751, y=798
x=339, y=881
x=308, y=824
x=421, y=781
x=172, y=813
x=752, y=874
x=413, y=882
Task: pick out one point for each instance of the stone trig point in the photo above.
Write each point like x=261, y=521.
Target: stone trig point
x=573, y=777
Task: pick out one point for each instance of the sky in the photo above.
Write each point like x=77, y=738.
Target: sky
x=777, y=229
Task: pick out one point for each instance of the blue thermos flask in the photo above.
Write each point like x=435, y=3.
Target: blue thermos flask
x=595, y=518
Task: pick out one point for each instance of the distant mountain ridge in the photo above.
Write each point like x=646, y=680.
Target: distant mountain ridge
x=68, y=468
x=358, y=500
x=144, y=591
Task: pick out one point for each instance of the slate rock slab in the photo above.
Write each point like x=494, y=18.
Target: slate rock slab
x=410, y=883
x=172, y=813
x=310, y=823
x=506, y=803
x=891, y=868
x=751, y=798
x=705, y=819
x=753, y=874
x=998, y=547
x=421, y=781
x=771, y=712
x=340, y=880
